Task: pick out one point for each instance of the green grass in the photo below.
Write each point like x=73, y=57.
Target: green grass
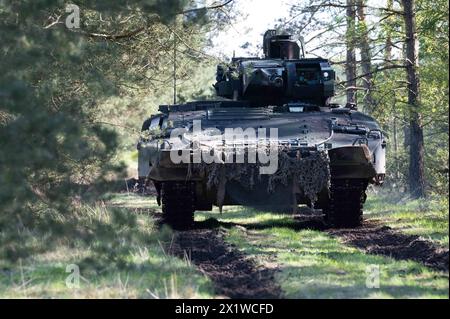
x=130, y=262
x=427, y=218
x=124, y=255
x=313, y=264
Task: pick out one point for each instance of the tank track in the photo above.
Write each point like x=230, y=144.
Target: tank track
x=178, y=204
x=346, y=199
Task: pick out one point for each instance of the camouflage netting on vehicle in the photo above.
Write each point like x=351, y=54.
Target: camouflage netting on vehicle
x=307, y=175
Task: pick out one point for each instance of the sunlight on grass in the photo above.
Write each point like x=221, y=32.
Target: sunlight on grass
x=156, y=277
x=131, y=200
x=244, y=215
x=313, y=264
x=427, y=218
x=127, y=260
x=126, y=257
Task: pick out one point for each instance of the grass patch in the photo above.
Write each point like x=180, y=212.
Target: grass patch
x=118, y=257
x=120, y=254
x=315, y=265
x=427, y=218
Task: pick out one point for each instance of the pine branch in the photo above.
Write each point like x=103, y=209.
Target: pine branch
x=207, y=8
x=377, y=70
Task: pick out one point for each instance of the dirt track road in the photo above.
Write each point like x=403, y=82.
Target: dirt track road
x=237, y=276
x=234, y=275
x=377, y=239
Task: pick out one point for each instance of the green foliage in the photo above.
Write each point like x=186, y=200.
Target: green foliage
x=323, y=24
x=391, y=93
x=70, y=98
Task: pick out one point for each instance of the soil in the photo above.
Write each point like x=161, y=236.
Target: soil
x=237, y=276
x=234, y=274
x=374, y=238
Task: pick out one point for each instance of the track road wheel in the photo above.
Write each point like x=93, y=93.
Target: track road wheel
x=346, y=199
x=178, y=201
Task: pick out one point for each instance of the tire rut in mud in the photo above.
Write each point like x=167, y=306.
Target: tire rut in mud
x=377, y=239
x=234, y=274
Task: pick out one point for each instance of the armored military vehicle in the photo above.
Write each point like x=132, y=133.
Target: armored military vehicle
x=272, y=139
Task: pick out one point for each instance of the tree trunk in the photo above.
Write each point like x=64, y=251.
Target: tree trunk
x=388, y=44
x=416, y=176
x=396, y=164
x=350, y=65
x=366, y=57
